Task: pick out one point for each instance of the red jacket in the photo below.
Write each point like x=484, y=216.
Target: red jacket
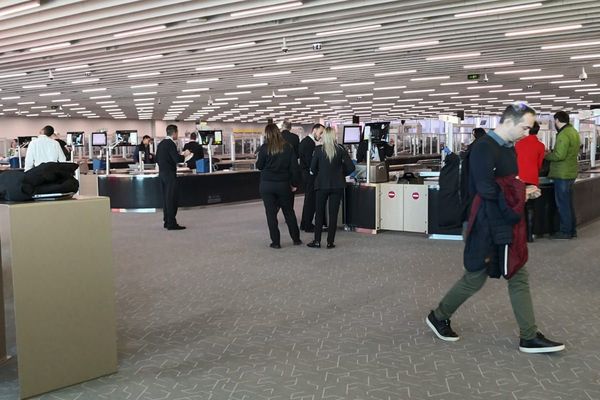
x=530, y=155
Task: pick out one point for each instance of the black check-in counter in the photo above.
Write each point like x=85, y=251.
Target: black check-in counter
x=143, y=191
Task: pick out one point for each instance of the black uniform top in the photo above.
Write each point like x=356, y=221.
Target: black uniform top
x=331, y=174
x=64, y=148
x=384, y=149
x=148, y=157
x=167, y=157
x=281, y=167
x=292, y=139
x=305, y=152
x=196, y=149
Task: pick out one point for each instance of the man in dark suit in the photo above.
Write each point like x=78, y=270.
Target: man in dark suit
x=306, y=150
x=167, y=158
x=144, y=148
x=290, y=137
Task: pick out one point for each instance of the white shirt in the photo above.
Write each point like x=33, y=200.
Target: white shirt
x=42, y=150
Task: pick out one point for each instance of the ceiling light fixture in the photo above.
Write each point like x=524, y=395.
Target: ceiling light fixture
x=430, y=78
x=145, y=58
x=230, y=46
x=567, y=45
x=253, y=85
x=144, y=93
x=50, y=47
x=145, y=85
x=13, y=75
x=524, y=78
x=584, y=57
x=409, y=45
x=237, y=93
x=196, y=90
x=484, y=87
x=107, y=96
x=489, y=65
x=140, y=31
x=419, y=91
x=300, y=58
x=266, y=10
x=293, y=89
x=93, y=90
x=34, y=86
x=544, y=30
x=143, y=75
x=332, y=78
x=505, y=90
x=90, y=80
x=452, y=56
x=213, y=67
x=276, y=73
x=457, y=83
x=349, y=30
x=50, y=94
x=350, y=66
x=517, y=71
x=357, y=84
x=393, y=73
x=492, y=11
x=330, y=92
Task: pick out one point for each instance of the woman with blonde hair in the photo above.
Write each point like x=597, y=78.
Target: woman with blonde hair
x=330, y=165
x=279, y=179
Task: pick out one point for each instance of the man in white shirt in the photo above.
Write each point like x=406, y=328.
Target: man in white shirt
x=44, y=149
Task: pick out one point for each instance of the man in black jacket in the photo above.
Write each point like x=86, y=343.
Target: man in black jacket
x=195, y=148
x=306, y=150
x=493, y=156
x=167, y=158
x=290, y=137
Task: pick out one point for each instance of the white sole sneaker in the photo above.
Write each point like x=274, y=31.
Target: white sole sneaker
x=538, y=350
x=445, y=338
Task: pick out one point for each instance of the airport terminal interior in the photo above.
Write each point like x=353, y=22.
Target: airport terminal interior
x=104, y=297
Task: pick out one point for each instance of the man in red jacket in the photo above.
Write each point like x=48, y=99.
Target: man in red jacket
x=530, y=156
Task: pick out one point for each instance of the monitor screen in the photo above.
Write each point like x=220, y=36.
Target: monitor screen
x=367, y=132
x=126, y=138
x=24, y=140
x=206, y=136
x=351, y=134
x=75, y=139
x=99, y=139
x=379, y=130
x=218, y=138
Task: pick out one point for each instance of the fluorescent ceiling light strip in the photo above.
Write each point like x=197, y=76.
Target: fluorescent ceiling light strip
x=419, y=91
x=350, y=66
x=72, y=67
x=444, y=94
x=140, y=31
x=143, y=75
x=584, y=57
x=145, y=58
x=299, y=58
x=203, y=80
x=35, y=86
x=517, y=71
x=567, y=81
x=458, y=83
x=404, y=100
x=330, y=92
x=453, y=56
x=430, y=78
x=237, y=93
x=357, y=84
x=93, y=90
x=13, y=75
x=489, y=65
x=492, y=11
x=61, y=100
x=524, y=78
x=409, y=45
x=196, y=90
x=107, y=96
x=90, y=80
x=349, y=30
x=265, y=10
x=213, y=67
x=292, y=89
x=50, y=94
x=230, y=46
x=253, y=85
x=50, y=47
x=276, y=73
x=567, y=45
x=523, y=93
x=578, y=86
x=145, y=85
x=189, y=96
x=484, y=87
x=544, y=30
x=393, y=73
x=144, y=93
x=332, y=78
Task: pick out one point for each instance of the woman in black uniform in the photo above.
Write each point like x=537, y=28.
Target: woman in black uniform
x=279, y=178
x=330, y=165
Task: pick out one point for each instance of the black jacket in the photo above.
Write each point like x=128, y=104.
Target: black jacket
x=281, y=167
x=148, y=157
x=292, y=139
x=306, y=150
x=50, y=177
x=168, y=157
x=198, y=151
x=384, y=149
x=331, y=174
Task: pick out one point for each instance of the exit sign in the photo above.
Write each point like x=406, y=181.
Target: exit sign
x=473, y=77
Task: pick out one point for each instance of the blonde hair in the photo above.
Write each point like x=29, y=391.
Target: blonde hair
x=329, y=143
x=275, y=142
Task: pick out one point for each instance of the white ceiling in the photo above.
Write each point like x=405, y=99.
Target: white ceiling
x=192, y=27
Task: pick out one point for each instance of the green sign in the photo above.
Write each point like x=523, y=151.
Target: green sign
x=473, y=77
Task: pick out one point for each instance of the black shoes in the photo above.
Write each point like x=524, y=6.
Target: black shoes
x=314, y=244
x=297, y=242
x=442, y=328
x=175, y=228
x=540, y=344
x=561, y=236
x=330, y=245
x=275, y=246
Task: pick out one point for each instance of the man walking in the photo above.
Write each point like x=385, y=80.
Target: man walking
x=563, y=170
x=493, y=160
x=167, y=158
x=306, y=150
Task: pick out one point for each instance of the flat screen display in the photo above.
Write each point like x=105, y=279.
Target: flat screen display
x=351, y=134
x=126, y=138
x=99, y=139
x=379, y=130
x=206, y=136
x=218, y=139
x=24, y=140
x=75, y=139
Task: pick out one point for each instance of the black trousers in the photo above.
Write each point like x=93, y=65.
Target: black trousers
x=310, y=201
x=335, y=197
x=168, y=185
x=278, y=195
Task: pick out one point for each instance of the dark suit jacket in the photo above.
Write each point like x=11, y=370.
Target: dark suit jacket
x=168, y=157
x=282, y=167
x=198, y=151
x=306, y=150
x=148, y=157
x=331, y=174
x=292, y=139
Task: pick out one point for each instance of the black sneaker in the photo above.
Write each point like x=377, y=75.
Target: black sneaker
x=442, y=328
x=540, y=344
x=314, y=244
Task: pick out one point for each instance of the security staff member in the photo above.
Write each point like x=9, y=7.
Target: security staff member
x=279, y=179
x=167, y=158
x=306, y=150
x=144, y=147
x=195, y=148
x=330, y=164
x=290, y=137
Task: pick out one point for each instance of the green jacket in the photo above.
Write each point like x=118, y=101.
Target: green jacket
x=563, y=159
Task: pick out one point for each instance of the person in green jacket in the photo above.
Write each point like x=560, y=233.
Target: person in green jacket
x=563, y=171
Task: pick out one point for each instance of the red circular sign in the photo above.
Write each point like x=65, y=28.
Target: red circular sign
x=415, y=195
x=391, y=195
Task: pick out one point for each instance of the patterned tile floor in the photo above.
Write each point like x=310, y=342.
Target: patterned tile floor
x=213, y=313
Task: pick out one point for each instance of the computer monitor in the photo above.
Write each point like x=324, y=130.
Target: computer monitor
x=351, y=134
x=218, y=138
x=206, y=136
x=126, y=138
x=25, y=140
x=99, y=139
x=379, y=131
x=75, y=139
